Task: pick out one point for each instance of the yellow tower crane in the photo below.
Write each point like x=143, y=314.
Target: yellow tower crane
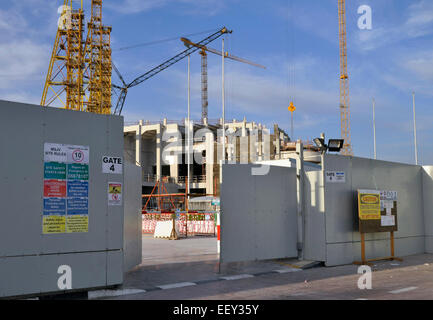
x=64, y=82
x=79, y=73
x=344, y=82
x=204, y=74
x=98, y=70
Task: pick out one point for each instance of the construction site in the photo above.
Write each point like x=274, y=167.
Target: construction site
x=100, y=202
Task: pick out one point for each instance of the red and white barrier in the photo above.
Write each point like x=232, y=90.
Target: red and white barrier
x=192, y=227
x=218, y=233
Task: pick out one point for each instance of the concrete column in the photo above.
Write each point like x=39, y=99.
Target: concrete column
x=260, y=143
x=174, y=166
x=277, y=142
x=244, y=128
x=210, y=157
x=138, y=141
x=158, y=152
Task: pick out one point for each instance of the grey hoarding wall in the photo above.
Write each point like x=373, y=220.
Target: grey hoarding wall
x=315, y=241
x=29, y=259
x=258, y=214
x=132, y=243
x=427, y=179
x=340, y=207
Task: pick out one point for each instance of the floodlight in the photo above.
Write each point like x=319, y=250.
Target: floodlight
x=335, y=145
x=320, y=143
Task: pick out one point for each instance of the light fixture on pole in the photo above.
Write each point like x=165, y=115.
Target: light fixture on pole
x=334, y=145
x=374, y=128
x=414, y=130
x=224, y=105
x=189, y=130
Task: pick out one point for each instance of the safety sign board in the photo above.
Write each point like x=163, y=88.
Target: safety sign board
x=55, y=206
x=55, y=170
x=335, y=176
x=369, y=204
x=114, y=194
x=66, y=189
x=388, y=203
x=54, y=188
x=113, y=165
x=78, y=171
x=78, y=189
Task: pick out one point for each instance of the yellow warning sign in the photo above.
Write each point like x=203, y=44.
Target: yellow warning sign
x=115, y=188
x=77, y=224
x=369, y=204
x=114, y=194
x=53, y=224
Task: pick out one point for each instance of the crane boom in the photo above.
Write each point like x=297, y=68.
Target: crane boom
x=232, y=57
x=165, y=65
x=344, y=82
x=226, y=54
x=177, y=58
x=204, y=76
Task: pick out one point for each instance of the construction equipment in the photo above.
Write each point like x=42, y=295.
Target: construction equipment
x=204, y=75
x=79, y=73
x=98, y=63
x=64, y=82
x=146, y=76
x=344, y=82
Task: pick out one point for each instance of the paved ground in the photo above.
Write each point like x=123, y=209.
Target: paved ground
x=188, y=269
x=161, y=251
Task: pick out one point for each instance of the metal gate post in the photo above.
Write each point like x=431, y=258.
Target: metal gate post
x=300, y=175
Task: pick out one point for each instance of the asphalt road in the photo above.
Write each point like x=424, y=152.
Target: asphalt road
x=199, y=278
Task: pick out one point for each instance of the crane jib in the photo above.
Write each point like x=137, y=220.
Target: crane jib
x=165, y=65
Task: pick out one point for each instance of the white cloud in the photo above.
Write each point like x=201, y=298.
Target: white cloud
x=421, y=64
x=11, y=21
x=22, y=61
x=418, y=23
x=208, y=7
x=20, y=96
x=136, y=6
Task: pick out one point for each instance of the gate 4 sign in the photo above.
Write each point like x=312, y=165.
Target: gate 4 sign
x=114, y=194
x=112, y=165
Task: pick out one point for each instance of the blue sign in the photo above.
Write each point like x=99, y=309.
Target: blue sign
x=78, y=206
x=54, y=207
x=78, y=189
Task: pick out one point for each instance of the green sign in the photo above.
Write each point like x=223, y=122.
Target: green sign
x=78, y=171
x=55, y=170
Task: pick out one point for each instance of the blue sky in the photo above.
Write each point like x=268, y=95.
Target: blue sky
x=388, y=63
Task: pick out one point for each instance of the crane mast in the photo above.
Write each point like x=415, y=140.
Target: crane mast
x=204, y=86
x=98, y=62
x=64, y=81
x=79, y=73
x=344, y=82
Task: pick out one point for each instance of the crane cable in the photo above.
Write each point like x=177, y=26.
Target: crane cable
x=291, y=66
x=144, y=44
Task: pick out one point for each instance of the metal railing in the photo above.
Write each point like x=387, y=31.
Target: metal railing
x=176, y=180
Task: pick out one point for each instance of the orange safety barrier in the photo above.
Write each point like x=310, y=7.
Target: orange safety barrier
x=188, y=224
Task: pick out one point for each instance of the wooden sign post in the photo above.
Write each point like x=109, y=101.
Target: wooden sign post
x=377, y=212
